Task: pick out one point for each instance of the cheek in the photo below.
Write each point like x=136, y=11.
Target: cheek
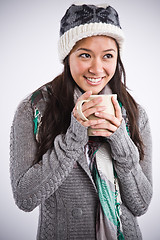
x=112, y=68
x=77, y=69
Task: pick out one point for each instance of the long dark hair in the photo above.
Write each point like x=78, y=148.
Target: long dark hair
x=57, y=115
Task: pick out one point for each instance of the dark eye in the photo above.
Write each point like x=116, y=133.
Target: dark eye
x=108, y=55
x=85, y=55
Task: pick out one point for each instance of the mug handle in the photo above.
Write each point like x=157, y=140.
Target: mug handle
x=79, y=109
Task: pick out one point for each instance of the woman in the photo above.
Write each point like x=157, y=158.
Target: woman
x=57, y=166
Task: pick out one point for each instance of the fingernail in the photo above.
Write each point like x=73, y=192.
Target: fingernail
x=97, y=113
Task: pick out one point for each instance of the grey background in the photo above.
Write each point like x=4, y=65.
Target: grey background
x=29, y=32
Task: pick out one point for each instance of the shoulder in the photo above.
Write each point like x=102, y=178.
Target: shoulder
x=40, y=95
x=142, y=117
x=37, y=99
x=24, y=106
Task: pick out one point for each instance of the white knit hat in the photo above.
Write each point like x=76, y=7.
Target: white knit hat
x=81, y=21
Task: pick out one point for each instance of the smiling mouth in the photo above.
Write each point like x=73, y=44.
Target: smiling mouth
x=94, y=80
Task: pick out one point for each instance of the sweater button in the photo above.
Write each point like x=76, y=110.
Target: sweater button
x=77, y=212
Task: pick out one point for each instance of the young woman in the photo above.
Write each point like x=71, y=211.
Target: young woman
x=86, y=187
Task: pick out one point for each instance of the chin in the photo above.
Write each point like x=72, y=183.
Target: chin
x=96, y=91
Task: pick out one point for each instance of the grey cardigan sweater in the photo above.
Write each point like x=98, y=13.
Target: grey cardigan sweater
x=62, y=185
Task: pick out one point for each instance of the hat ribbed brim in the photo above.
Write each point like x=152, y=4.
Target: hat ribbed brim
x=69, y=38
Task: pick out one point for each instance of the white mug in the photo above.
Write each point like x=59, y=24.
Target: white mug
x=106, y=101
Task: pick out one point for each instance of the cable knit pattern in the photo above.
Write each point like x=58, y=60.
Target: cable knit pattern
x=62, y=185
x=133, y=174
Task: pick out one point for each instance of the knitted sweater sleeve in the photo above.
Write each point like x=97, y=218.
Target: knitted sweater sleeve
x=33, y=184
x=134, y=175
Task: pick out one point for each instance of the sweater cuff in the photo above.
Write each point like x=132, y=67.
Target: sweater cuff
x=76, y=135
x=122, y=146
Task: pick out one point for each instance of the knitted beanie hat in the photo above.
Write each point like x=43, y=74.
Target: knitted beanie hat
x=81, y=21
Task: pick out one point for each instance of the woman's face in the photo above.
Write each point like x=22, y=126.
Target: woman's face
x=93, y=62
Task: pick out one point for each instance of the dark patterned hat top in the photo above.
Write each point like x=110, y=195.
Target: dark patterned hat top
x=81, y=21
x=80, y=15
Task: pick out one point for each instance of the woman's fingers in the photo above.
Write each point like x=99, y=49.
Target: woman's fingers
x=91, y=123
x=118, y=113
x=107, y=123
x=115, y=120
x=84, y=96
x=112, y=122
x=92, y=103
x=102, y=133
x=112, y=119
x=91, y=111
x=106, y=126
x=89, y=107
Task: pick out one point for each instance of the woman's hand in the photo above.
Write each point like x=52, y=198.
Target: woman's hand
x=112, y=123
x=89, y=108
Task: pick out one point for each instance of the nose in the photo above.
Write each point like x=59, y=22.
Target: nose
x=96, y=66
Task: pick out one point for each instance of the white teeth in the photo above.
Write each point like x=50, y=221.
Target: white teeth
x=94, y=80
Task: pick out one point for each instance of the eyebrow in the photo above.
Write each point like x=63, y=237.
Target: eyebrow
x=88, y=50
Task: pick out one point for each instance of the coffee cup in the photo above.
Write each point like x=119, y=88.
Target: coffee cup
x=106, y=101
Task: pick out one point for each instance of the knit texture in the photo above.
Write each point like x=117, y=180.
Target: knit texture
x=81, y=21
x=62, y=184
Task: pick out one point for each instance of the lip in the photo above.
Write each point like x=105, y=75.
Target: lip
x=94, y=81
